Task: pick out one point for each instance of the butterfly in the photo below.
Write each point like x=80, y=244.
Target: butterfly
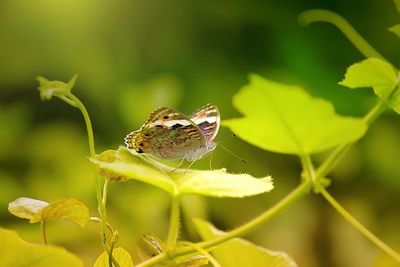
x=169, y=134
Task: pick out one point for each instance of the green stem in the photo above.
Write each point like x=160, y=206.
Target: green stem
x=321, y=15
x=98, y=220
x=376, y=111
x=111, y=259
x=296, y=194
x=204, y=252
x=359, y=226
x=174, y=223
x=101, y=208
x=43, y=231
x=337, y=154
x=309, y=169
x=88, y=123
x=331, y=161
x=105, y=191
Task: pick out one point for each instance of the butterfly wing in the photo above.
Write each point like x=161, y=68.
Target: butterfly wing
x=208, y=119
x=167, y=134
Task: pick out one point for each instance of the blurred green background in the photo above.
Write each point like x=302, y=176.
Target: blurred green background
x=133, y=56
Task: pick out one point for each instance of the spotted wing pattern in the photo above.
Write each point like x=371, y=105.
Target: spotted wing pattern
x=207, y=118
x=167, y=134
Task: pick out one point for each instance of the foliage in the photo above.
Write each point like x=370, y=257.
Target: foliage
x=379, y=75
x=239, y=252
x=289, y=120
x=277, y=117
x=40, y=211
x=126, y=164
x=121, y=256
x=17, y=252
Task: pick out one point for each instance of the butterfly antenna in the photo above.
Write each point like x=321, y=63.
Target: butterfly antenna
x=226, y=137
x=224, y=147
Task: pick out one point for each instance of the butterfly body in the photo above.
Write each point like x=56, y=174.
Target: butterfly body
x=169, y=134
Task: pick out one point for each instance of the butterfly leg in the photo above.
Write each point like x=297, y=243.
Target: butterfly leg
x=209, y=163
x=190, y=165
x=180, y=164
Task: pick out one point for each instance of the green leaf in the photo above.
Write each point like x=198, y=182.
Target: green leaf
x=35, y=210
x=219, y=183
x=19, y=253
x=395, y=101
x=48, y=89
x=395, y=29
x=285, y=119
x=25, y=207
x=375, y=73
x=122, y=256
x=371, y=72
x=239, y=252
x=68, y=209
x=125, y=164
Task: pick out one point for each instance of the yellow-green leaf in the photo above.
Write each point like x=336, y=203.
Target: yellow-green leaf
x=68, y=209
x=371, y=72
x=25, y=207
x=395, y=101
x=16, y=252
x=217, y=183
x=127, y=164
x=285, y=119
x=48, y=89
x=375, y=73
x=239, y=252
x=122, y=256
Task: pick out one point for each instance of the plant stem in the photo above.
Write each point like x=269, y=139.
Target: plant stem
x=331, y=161
x=204, y=252
x=88, y=123
x=100, y=205
x=321, y=15
x=105, y=191
x=174, y=222
x=337, y=154
x=308, y=168
x=296, y=194
x=43, y=231
x=359, y=226
x=98, y=220
x=111, y=259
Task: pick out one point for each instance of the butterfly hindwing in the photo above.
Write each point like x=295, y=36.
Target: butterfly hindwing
x=167, y=134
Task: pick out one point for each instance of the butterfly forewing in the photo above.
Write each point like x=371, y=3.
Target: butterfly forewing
x=167, y=134
x=207, y=118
